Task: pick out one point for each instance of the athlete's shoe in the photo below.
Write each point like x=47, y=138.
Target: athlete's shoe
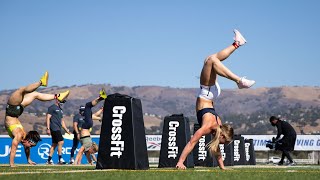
x=238, y=38
x=71, y=161
x=292, y=164
x=63, y=96
x=49, y=162
x=102, y=94
x=245, y=83
x=44, y=79
x=61, y=161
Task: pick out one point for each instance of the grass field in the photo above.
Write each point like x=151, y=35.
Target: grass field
x=24, y=172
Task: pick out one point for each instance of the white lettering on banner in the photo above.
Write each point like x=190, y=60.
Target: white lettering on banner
x=236, y=152
x=6, y=151
x=223, y=154
x=44, y=150
x=202, y=149
x=247, y=150
x=117, y=146
x=172, y=145
x=18, y=152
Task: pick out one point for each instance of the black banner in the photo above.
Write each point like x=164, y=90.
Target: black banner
x=175, y=135
x=201, y=154
x=122, y=139
x=226, y=153
x=239, y=150
x=249, y=151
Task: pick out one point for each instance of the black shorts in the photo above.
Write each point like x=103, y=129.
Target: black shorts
x=14, y=110
x=56, y=137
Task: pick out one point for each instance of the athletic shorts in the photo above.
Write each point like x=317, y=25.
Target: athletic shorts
x=86, y=142
x=203, y=111
x=56, y=137
x=14, y=110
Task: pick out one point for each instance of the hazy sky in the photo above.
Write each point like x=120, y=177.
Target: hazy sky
x=164, y=43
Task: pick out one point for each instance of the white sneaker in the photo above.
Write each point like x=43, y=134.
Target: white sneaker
x=245, y=83
x=238, y=38
x=71, y=161
x=50, y=162
x=61, y=161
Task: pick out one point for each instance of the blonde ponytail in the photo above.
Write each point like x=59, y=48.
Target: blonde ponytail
x=225, y=130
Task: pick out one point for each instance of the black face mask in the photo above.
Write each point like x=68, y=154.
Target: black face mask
x=273, y=124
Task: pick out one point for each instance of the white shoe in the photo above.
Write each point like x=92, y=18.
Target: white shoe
x=245, y=83
x=71, y=161
x=238, y=38
x=50, y=162
x=61, y=161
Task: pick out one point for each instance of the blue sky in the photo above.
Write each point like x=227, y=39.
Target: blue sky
x=164, y=43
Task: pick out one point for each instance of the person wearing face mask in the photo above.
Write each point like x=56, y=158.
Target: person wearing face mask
x=287, y=142
x=17, y=102
x=55, y=123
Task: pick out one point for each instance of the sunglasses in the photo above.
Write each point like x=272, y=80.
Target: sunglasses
x=32, y=142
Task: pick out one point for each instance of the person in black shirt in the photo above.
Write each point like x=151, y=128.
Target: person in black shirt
x=78, y=120
x=55, y=123
x=287, y=142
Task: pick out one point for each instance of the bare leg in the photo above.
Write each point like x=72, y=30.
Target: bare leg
x=60, y=144
x=17, y=97
x=28, y=98
x=213, y=66
x=225, y=53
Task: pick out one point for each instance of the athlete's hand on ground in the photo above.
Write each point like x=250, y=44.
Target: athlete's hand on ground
x=226, y=169
x=180, y=166
x=32, y=163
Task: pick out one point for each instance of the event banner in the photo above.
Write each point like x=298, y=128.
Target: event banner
x=39, y=154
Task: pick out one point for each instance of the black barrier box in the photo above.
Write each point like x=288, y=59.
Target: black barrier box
x=122, y=140
x=175, y=135
x=239, y=150
x=249, y=151
x=227, y=155
x=201, y=154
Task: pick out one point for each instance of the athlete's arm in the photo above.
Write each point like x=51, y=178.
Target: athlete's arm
x=48, y=123
x=79, y=156
x=64, y=126
x=27, y=152
x=14, y=145
x=190, y=145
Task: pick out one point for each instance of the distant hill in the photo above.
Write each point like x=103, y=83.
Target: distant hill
x=248, y=110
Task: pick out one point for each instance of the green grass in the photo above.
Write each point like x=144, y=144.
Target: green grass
x=89, y=172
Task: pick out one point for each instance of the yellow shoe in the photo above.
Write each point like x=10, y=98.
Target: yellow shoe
x=44, y=79
x=103, y=94
x=63, y=96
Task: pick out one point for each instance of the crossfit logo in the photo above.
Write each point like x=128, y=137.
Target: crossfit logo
x=236, y=150
x=44, y=150
x=202, y=149
x=247, y=149
x=223, y=154
x=117, y=146
x=172, y=145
